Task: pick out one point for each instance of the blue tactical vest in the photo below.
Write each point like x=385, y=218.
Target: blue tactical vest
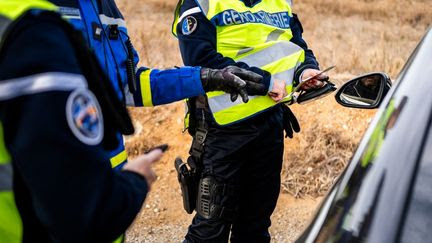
x=105, y=30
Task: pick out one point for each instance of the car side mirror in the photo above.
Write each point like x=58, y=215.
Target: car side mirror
x=366, y=91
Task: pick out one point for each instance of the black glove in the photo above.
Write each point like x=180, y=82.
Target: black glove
x=233, y=80
x=290, y=122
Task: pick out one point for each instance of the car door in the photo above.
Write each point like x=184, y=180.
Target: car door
x=368, y=202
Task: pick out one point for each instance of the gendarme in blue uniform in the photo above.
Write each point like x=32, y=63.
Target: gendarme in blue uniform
x=105, y=31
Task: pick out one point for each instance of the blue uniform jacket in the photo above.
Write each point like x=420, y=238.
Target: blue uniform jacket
x=199, y=47
x=105, y=31
x=62, y=195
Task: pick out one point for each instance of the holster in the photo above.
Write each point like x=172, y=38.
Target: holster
x=188, y=178
x=189, y=173
x=214, y=199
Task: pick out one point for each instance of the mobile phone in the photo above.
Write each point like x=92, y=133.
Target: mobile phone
x=163, y=147
x=318, y=74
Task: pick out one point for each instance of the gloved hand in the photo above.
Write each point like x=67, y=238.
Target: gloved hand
x=233, y=80
x=290, y=123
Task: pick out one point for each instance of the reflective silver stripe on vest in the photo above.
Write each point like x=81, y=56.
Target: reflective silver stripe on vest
x=259, y=59
x=4, y=23
x=285, y=75
x=204, y=5
x=112, y=21
x=222, y=102
x=39, y=83
x=5, y=177
x=274, y=35
x=244, y=50
x=290, y=2
x=271, y=54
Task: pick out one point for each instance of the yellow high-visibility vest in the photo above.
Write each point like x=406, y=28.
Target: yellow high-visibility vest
x=10, y=220
x=259, y=36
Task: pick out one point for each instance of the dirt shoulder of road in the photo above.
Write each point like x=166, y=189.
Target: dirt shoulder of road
x=163, y=219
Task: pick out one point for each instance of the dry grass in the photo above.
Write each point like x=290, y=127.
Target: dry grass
x=362, y=36
x=313, y=173
x=357, y=35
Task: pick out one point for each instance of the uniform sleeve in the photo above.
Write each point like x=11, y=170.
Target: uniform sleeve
x=73, y=191
x=158, y=87
x=199, y=47
x=310, y=60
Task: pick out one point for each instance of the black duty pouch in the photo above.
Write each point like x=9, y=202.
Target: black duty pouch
x=188, y=177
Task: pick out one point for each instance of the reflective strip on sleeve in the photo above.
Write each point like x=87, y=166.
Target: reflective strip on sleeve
x=189, y=12
x=112, y=21
x=118, y=159
x=40, y=83
x=146, y=88
x=5, y=177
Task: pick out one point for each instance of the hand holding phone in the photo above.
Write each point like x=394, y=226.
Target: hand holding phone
x=164, y=147
x=143, y=163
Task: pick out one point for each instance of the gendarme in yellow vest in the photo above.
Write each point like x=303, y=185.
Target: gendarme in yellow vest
x=259, y=36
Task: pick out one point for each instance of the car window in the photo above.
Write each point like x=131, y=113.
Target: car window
x=417, y=226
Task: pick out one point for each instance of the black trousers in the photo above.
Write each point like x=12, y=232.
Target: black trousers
x=247, y=156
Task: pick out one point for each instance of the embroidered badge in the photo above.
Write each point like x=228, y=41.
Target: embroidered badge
x=189, y=25
x=84, y=117
x=70, y=13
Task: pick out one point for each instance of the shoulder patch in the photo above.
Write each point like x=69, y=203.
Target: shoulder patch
x=84, y=117
x=189, y=25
